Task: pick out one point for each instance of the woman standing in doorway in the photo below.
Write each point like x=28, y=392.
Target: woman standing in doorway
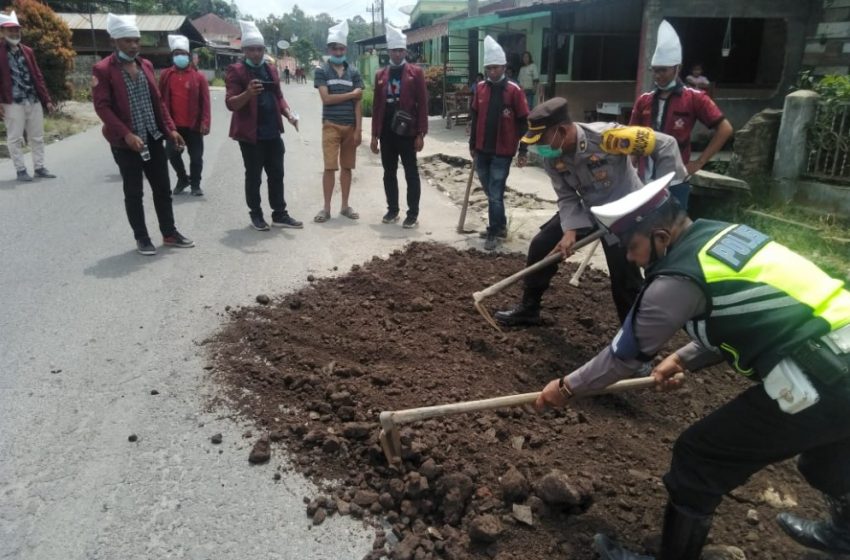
x=528, y=78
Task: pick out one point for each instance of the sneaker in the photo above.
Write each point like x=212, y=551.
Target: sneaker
x=259, y=224
x=197, y=192
x=409, y=222
x=491, y=244
x=390, y=217
x=181, y=185
x=177, y=240
x=503, y=234
x=145, y=247
x=43, y=173
x=287, y=221
x=23, y=176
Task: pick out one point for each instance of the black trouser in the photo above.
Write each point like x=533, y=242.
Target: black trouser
x=195, y=147
x=132, y=169
x=394, y=146
x=720, y=452
x=626, y=279
x=268, y=155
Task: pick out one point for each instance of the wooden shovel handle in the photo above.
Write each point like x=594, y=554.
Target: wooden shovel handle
x=549, y=260
x=462, y=221
x=393, y=418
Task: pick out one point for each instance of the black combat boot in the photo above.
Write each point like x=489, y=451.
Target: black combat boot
x=526, y=313
x=684, y=533
x=830, y=536
x=682, y=539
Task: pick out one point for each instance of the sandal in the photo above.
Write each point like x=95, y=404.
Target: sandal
x=349, y=212
x=322, y=216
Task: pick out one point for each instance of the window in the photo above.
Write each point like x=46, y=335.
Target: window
x=562, y=53
x=756, y=57
x=605, y=57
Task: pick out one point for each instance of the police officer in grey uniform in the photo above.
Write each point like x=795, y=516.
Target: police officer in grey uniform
x=775, y=318
x=588, y=165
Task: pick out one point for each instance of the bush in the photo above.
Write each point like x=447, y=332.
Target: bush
x=50, y=38
x=366, y=101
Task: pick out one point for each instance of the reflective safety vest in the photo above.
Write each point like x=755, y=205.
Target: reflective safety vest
x=762, y=299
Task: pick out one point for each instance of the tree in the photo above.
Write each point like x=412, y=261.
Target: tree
x=304, y=52
x=50, y=37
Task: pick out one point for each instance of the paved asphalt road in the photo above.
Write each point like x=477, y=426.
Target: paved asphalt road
x=88, y=328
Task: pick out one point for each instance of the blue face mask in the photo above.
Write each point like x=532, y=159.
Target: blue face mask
x=336, y=59
x=126, y=57
x=181, y=60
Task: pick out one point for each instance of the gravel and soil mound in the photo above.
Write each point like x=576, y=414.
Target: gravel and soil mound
x=313, y=369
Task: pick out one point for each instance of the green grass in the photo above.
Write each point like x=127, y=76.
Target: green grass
x=218, y=82
x=831, y=256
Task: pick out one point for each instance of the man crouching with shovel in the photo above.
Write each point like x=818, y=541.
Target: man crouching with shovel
x=588, y=164
x=771, y=314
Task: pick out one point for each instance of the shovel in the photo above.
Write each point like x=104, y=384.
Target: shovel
x=390, y=420
x=478, y=297
x=461, y=223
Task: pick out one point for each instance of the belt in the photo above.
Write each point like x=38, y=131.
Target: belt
x=826, y=358
x=838, y=340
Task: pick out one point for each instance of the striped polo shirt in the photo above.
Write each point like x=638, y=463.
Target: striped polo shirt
x=340, y=113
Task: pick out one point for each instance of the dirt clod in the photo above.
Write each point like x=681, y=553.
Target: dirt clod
x=216, y=438
x=263, y=299
x=261, y=452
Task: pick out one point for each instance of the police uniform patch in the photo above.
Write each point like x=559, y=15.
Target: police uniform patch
x=582, y=145
x=736, y=247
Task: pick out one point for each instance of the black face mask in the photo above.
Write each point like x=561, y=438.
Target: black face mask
x=653, y=253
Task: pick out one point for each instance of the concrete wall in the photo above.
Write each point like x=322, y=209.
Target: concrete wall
x=797, y=14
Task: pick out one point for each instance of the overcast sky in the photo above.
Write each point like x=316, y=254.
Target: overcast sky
x=337, y=8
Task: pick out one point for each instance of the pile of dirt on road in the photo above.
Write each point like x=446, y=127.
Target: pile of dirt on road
x=312, y=370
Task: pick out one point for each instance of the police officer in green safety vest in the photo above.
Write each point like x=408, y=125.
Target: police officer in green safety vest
x=777, y=319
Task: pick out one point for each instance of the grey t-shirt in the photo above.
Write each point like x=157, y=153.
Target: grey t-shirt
x=338, y=113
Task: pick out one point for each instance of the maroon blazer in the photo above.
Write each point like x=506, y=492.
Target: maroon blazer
x=413, y=98
x=112, y=101
x=6, y=76
x=199, y=112
x=243, y=122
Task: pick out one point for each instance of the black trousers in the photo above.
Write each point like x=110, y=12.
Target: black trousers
x=195, y=147
x=133, y=168
x=394, y=147
x=626, y=280
x=264, y=155
x=720, y=452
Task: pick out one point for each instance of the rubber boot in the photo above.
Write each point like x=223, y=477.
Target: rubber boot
x=526, y=313
x=830, y=536
x=682, y=539
x=684, y=533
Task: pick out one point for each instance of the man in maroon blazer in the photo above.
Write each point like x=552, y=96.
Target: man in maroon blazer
x=135, y=123
x=399, y=125
x=23, y=99
x=253, y=94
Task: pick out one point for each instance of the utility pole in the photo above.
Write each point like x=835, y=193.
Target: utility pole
x=372, y=9
x=383, y=21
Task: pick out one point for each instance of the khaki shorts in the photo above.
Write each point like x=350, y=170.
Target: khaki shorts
x=338, y=146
